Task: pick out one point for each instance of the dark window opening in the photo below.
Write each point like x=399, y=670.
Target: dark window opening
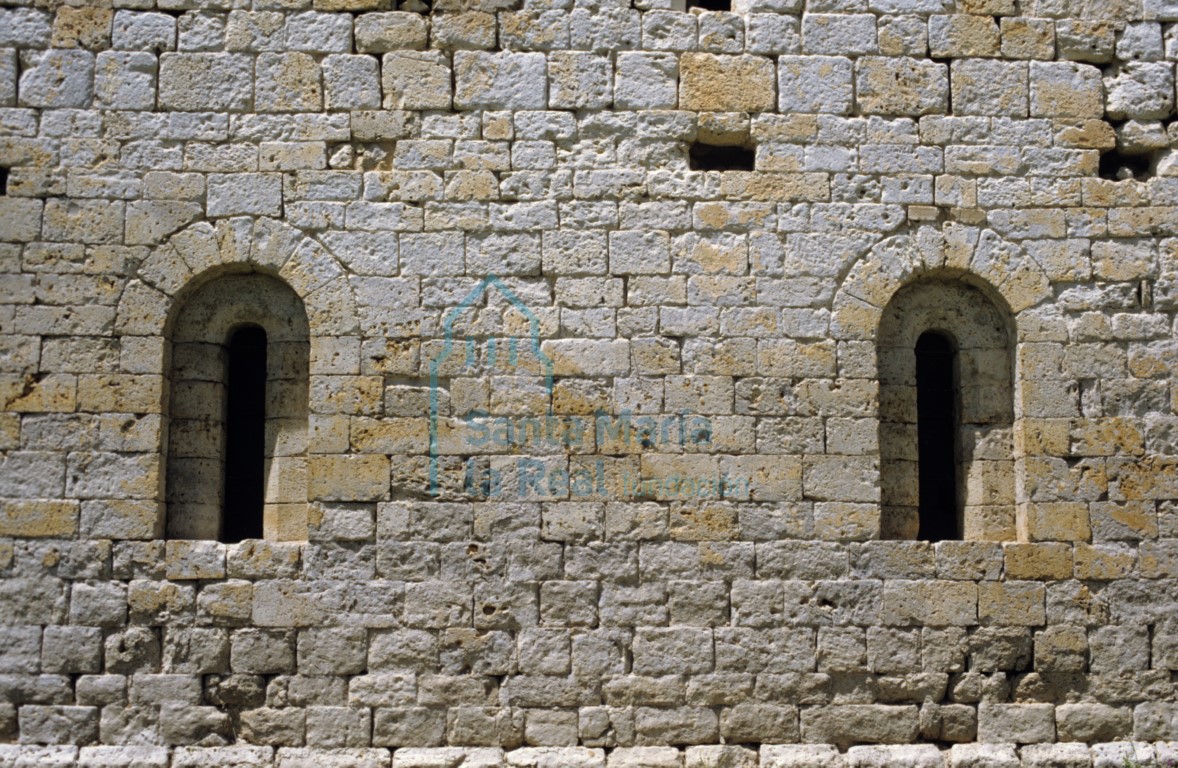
x=710, y=5
x=3, y=181
x=936, y=425
x=711, y=157
x=1119, y=166
x=245, y=435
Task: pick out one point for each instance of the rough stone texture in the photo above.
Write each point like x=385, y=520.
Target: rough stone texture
x=901, y=86
x=590, y=432
x=726, y=83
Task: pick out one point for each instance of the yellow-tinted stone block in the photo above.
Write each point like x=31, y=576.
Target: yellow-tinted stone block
x=33, y=518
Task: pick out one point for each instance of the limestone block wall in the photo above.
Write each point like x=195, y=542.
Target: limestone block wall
x=589, y=414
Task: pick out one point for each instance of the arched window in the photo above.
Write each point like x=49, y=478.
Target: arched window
x=237, y=431
x=946, y=414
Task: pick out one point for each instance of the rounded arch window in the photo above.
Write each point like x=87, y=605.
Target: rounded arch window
x=237, y=432
x=946, y=414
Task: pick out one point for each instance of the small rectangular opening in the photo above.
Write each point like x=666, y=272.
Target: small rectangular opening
x=1119, y=166
x=712, y=157
x=3, y=181
x=710, y=5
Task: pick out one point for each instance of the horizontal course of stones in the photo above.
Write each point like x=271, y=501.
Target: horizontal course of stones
x=1110, y=755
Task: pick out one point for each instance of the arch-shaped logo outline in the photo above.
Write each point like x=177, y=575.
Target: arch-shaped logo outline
x=475, y=295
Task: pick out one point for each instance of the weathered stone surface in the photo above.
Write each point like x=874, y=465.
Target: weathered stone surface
x=1021, y=723
x=851, y=724
x=1059, y=89
x=579, y=81
x=58, y=724
x=903, y=86
x=646, y=81
x=1139, y=90
x=726, y=83
x=125, y=80
x=796, y=756
x=195, y=81
x=500, y=80
x=978, y=755
x=57, y=79
x=591, y=429
x=384, y=32
x=814, y=84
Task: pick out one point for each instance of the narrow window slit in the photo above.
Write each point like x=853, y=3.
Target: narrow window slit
x=713, y=157
x=1145, y=294
x=245, y=435
x=710, y=5
x=936, y=421
x=3, y=181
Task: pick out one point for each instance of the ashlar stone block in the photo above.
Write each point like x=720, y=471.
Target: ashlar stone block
x=1065, y=89
x=961, y=35
x=1020, y=723
x=287, y=82
x=580, y=80
x=9, y=70
x=393, y=31
x=125, y=80
x=814, y=84
x=901, y=86
x=984, y=87
x=416, y=80
x=1139, y=90
x=505, y=80
x=57, y=78
x=717, y=83
x=195, y=82
x=646, y=80
x=351, y=82
x=838, y=34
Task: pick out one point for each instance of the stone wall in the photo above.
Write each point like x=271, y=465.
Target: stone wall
x=590, y=425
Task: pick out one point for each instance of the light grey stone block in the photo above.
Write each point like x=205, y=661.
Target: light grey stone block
x=58, y=724
x=1020, y=723
x=20, y=649
x=351, y=82
x=72, y=650
x=125, y=80
x=801, y=756
x=56, y=78
x=838, y=34
x=206, y=81
x=235, y=194
x=814, y=84
x=139, y=31
x=1139, y=90
x=9, y=70
x=500, y=80
x=979, y=755
x=315, y=32
x=26, y=27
